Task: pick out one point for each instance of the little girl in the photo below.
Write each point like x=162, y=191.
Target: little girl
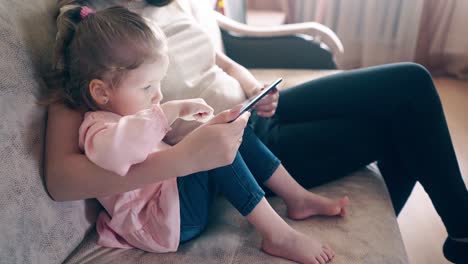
x=113, y=63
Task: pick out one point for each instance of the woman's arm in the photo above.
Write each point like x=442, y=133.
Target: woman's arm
x=71, y=176
x=249, y=83
x=251, y=86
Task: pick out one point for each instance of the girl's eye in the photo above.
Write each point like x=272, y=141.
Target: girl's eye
x=147, y=87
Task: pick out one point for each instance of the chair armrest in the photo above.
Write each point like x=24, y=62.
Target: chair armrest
x=317, y=32
x=285, y=52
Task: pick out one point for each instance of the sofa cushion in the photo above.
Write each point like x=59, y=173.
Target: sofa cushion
x=33, y=228
x=369, y=234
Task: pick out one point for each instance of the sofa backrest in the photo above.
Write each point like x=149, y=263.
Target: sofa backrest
x=33, y=228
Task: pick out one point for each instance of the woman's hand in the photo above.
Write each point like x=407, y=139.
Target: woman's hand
x=267, y=106
x=215, y=143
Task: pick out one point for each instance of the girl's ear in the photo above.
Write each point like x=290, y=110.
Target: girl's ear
x=99, y=91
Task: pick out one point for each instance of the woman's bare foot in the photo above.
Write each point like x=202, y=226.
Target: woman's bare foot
x=313, y=204
x=298, y=247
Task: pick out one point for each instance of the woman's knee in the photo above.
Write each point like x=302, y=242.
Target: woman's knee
x=413, y=67
x=418, y=80
x=410, y=71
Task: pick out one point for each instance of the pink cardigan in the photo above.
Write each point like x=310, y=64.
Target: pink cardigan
x=146, y=218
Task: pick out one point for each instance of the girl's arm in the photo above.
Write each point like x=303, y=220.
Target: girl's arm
x=70, y=175
x=116, y=143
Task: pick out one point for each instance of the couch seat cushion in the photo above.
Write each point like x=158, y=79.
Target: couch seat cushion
x=369, y=234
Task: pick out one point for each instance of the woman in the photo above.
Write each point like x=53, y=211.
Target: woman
x=390, y=114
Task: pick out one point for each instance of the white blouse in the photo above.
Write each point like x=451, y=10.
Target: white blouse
x=192, y=54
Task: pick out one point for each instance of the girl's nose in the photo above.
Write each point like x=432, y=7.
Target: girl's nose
x=156, y=98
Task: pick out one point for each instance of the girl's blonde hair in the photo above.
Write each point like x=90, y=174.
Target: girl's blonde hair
x=102, y=45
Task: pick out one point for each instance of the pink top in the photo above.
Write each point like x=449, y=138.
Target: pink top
x=146, y=218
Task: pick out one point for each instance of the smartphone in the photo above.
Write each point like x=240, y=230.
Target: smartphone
x=251, y=102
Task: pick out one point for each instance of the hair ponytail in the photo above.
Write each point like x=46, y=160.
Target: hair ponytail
x=67, y=22
x=57, y=79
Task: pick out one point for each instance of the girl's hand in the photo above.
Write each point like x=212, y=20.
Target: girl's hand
x=190, y=109
x=195, y=109
x=267, y=106
x=215, y=143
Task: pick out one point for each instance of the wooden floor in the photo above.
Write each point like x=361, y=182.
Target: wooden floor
x=421, y=227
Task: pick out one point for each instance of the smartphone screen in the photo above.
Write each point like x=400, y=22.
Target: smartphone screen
x=251, y=102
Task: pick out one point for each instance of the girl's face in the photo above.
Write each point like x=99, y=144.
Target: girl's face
x=139, y=88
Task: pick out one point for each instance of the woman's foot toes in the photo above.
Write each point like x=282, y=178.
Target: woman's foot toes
x=314, y=204
x=456, y=251
x=300, y=248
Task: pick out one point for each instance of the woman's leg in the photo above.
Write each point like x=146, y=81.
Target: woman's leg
x=327, y=122
x=325, y=150
x=403, y=127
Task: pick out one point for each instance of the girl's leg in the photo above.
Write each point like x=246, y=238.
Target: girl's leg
x=196, y=193
x=242, y=190
x=301, y=203
x=279, y=239
x=268, y=171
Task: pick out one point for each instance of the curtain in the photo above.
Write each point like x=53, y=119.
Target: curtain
x=431, y=32
x=443, y=37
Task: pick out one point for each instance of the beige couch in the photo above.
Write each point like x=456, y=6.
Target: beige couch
x=36, y=229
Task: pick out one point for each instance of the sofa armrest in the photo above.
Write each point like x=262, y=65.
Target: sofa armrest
x=317, y=34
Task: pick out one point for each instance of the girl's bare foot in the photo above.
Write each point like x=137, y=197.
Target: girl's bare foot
x=313, y=204
x=298, y=247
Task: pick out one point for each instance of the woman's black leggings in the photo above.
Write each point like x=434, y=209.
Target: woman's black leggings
x=326, y=128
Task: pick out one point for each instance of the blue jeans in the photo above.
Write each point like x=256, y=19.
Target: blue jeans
x=239, y=183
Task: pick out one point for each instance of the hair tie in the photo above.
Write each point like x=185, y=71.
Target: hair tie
x=85, y=11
